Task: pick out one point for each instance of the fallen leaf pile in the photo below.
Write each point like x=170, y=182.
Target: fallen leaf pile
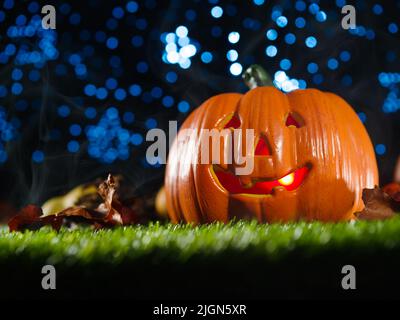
x=380, y=203
x=107, y=212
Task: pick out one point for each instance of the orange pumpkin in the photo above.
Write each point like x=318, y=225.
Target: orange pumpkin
x=312, y=159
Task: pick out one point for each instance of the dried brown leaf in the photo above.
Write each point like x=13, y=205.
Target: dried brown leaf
x=378, y=205
x=27, y=218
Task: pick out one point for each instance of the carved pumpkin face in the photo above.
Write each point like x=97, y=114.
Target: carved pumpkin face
x=312, y=158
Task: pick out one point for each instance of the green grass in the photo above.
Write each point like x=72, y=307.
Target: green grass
x=236, y=260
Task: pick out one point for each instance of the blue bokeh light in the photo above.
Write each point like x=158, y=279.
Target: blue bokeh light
x=333, y=64
x=300, y=22
x=132, y=6
x=393, y=28
x=272, y=34
x=285, y=64
x=168, y=101
x=150, y=123
x=290, y=38
x=362, y=116
x=73, y=146
x=311, y=42
x=234, y=37
x=38, y=156
x=217, y=12
x=300, y=5
x=281, y=21
x=64, y=111
x=312, y=67
x=112, y=43
x=135, y=90
x=183, y=106
x=75, y=130
x=206, y=57
x=232, y=55
x=345, y=56
x=236, y=68
x=271, y=51
x=380, y=149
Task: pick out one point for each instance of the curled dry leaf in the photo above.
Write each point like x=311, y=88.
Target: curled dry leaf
x=393, y=190
x=27, y=218
x=107, y=190
x=378, y=205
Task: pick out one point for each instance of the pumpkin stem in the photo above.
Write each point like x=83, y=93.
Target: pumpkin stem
x=255, y=76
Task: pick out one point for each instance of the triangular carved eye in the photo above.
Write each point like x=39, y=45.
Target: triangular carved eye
x=234, y=122
x=295, y=120
x=262, y=148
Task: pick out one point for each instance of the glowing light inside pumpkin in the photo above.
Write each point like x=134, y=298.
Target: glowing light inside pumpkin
x=291, y=120
x=287, y=180
x=262, y=148
x=234, y=123
x=232, y=184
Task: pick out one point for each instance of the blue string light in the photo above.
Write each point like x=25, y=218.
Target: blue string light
x=345, y=56
x=112, y=43
x=128, y=117
x=392, y=82
x=151, y=123
x=232, y=55
x=311, y=42
x=90, y=113
x=300, y=22
x=137, y=41
x=380, y=149
x=281, y=21
x=206, y=57
x=190, y=15
x=300, y=6
x=377, y=9
x=64, y=111
x=118, y=13
x=135, y=90
x=38, y=156
x=171, y=77
x=183, y=106
x=168, y=101
x=75, y=130
x=236, y=68
x=234, y=37
x=393, y=28
x=285, y=64
x=333, y=64
x=362, y=116
x=217, y=12
x=73, y=146
x=271, y=51
x=132, y=6
x=272, y=34
x=312, y=67
x=290, y=38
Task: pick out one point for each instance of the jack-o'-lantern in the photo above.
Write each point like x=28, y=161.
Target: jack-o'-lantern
x=312, y=158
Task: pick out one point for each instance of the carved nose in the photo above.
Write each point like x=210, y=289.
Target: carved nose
x=262, y=148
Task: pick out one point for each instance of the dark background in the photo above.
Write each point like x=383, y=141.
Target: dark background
x=37, y=157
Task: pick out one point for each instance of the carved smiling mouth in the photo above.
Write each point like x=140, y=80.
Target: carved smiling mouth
x=233, y=185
